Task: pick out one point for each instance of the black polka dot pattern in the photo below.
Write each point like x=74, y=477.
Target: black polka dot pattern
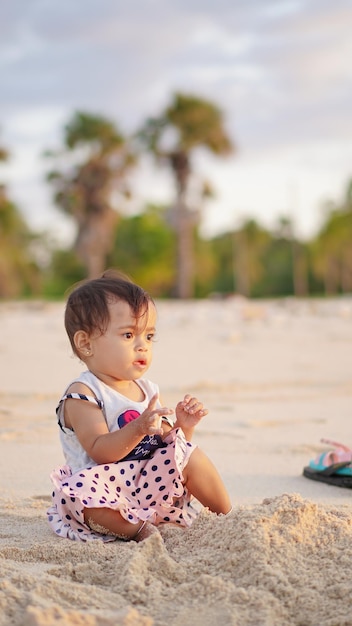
x=149, y=489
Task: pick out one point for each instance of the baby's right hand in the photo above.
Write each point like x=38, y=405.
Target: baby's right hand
x=150, y=419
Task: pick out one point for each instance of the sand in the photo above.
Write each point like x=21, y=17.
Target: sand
x=276, y=377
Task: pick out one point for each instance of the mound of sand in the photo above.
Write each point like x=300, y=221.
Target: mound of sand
x=285, y=561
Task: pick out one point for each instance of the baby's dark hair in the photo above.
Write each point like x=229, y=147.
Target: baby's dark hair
x=87, y=304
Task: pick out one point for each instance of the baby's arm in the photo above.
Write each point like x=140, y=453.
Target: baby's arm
x=101, y=445
x=188, y=413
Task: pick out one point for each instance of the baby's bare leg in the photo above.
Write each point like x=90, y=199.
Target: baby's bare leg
x=205, y=484
x=109, y=522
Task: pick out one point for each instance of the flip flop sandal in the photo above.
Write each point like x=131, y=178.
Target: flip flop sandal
x=333, y=467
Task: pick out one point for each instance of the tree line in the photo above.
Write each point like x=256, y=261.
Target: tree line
x=161, y=247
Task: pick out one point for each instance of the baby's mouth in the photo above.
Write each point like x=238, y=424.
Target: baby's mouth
x=140, y=362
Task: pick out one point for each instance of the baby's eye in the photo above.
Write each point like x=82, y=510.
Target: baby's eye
x=150, y=336
x=128, y=335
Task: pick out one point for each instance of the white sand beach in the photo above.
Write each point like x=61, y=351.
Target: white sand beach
x=276, y=377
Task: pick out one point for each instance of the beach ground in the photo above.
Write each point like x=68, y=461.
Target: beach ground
x=276, y=377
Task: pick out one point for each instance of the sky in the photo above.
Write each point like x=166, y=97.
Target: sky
x=279, y=70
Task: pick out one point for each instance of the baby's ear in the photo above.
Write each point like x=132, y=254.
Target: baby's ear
x=82, y=342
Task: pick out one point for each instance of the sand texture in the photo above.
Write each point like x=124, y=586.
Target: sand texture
x=276, y=377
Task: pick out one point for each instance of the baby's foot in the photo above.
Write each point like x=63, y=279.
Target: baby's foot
x=146, y=530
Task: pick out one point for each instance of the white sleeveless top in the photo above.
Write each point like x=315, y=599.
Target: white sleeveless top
x=117, y=410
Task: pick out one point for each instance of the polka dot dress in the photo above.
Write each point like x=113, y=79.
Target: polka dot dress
x=143, y=489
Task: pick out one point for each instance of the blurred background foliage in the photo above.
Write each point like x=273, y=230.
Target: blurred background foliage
x=161, y=247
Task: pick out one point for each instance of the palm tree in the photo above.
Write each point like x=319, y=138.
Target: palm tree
x=250, y=243
x=298, y=254
x=332, y=250
x=186, y=124
x=99, y=158
x=19, y=273
x=3, y=154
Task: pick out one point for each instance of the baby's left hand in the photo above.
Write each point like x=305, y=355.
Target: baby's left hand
x=190, y=411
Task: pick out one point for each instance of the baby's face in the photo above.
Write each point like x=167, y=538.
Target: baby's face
x=124, y=351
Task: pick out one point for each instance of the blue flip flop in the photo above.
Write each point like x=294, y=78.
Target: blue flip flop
x=327, y=468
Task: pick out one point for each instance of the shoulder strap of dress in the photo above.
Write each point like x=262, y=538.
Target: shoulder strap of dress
x=83, y=396
x=77, y=396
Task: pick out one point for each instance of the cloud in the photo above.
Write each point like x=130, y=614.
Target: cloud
x=280, y=71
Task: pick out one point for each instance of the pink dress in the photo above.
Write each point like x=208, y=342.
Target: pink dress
x=147, y=484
